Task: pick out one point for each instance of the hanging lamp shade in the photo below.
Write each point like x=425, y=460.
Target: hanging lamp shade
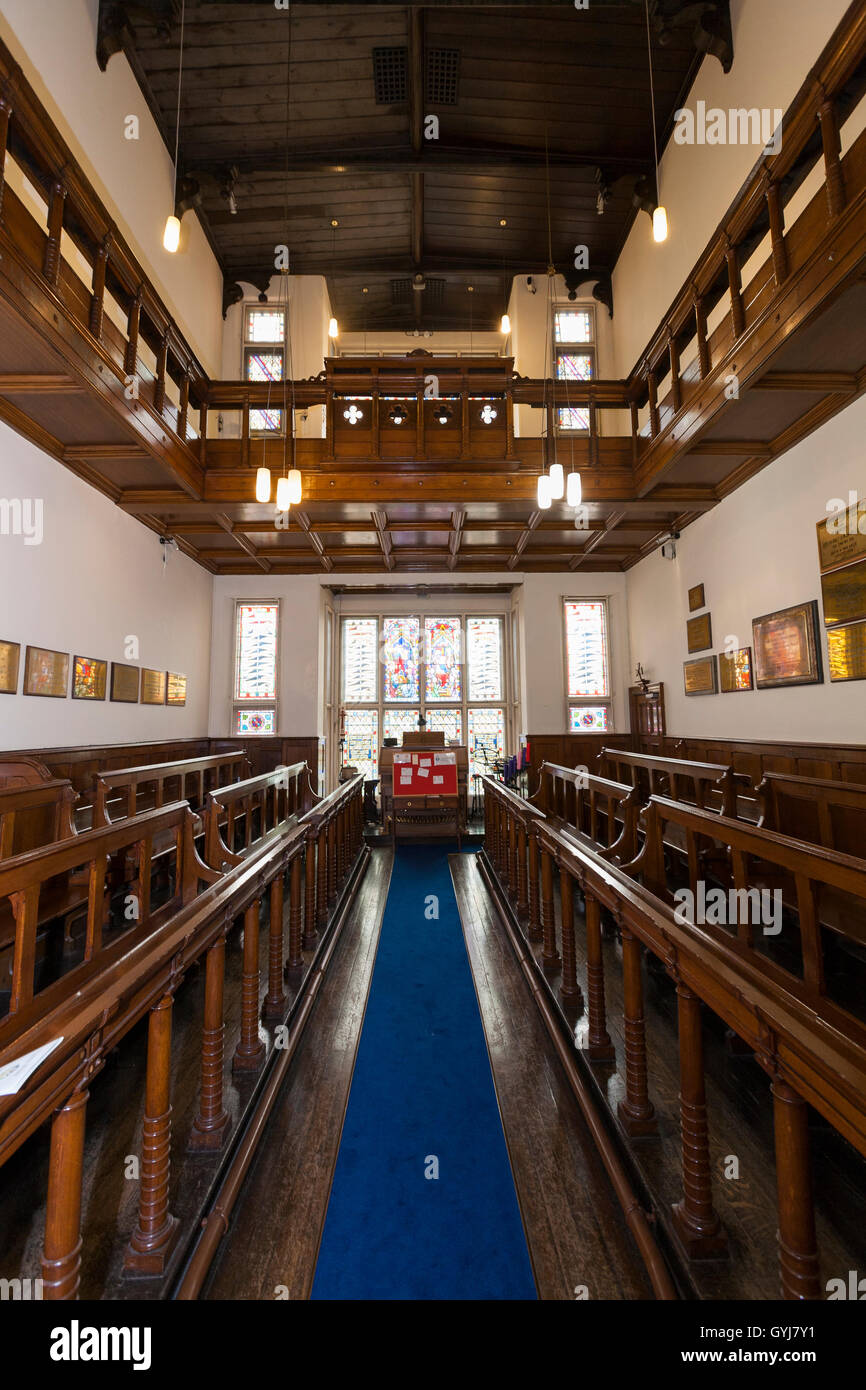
x=284, y=500
x=294, y=486
x=544, y=494
x=557, y=481
x=505, y=324
x=660, y=224
x=171, y=235
x=263, y=485
x=333, y=328
x=573, y=490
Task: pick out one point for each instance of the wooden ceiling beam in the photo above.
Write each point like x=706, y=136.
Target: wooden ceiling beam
x=380, y=521
x=103, y=453
x=610, y=523
x=304, y=523
x=226, y=524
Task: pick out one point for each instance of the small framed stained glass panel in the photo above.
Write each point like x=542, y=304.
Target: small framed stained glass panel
x=89, y=678
x=255, y=721
x=46, y=672
x=10, y=656
x=589, y=719
x=586, y=647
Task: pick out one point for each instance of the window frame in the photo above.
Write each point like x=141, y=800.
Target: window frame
x=589, y=349
x=250, y=348
x=588, y=701
x=236, y=702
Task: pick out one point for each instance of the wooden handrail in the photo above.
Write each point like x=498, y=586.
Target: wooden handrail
x=231, y=764
x=278, y=797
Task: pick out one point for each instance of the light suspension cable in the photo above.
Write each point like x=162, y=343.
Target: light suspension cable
x=171, y=234
x=660, y=216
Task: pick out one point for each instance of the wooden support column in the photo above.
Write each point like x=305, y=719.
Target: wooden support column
x=701, y=330
x=509, y=422
x=593, y=435
x=245, y=432
x=51, y=263
x=202, y=432
x=636, y=1111
x=676, y=382
x=275, y=999
x=522, y=900
x=153, y=1239
x=375, y=428
x=97, y=299
x=61, y=1250
x=533, y=930
x=738, y=313
x=5, y=117
x=465, y=442
x=322, y=876
x=549, y=953
x=212, y=1123
x=832, y=161
x=310, y=934
x=250, y=1051
x=132, y=325
x=652, y=391
x=419, y=422
x=696, y=1222
x=599, y=1044
x=296, y=959
x=798, y=1245
x=777, y=231
x=635, y=430
x=569, y=988
x=183, y=408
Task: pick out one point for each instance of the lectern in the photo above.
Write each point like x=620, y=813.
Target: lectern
x=424, y=787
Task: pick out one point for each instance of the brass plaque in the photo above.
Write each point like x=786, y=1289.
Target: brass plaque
x=699, y=677
x=89, y=678
x=176, y=689
x=847, y=646
x=842, y=538
x=844, y=593
x=787, y=650
x=696, y=598
x=735, y=672
x=124, y=683
x=152, y=687
x=46, y=672
x=700, y=633
x=10, y=655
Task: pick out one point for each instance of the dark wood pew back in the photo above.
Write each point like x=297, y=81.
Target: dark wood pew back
x=710, y=785
x=601, y=812
x=35, y=815
x=127, y=791
x=832, y=814
x=274, y=800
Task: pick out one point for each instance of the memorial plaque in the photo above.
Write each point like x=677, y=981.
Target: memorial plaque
x=847, y=648
x=124, y=683
x=696, y=598
x=10, y=655
x=735, y=671
x=699, y=677
x=700, y=633
x=842, y=538
x=787, y=650
x=46, y=672
x=176, y=689
x=89, y=677
x=152, y=687
x=844, y=594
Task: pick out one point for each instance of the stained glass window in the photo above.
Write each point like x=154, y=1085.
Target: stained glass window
x=256, y=658
x=486, y=738
x=589, y=719
x=449, y=721
x=442, y=653
x=255, y=721
x=574, y=366
x=573, y=326
x=264, y=325
x=265, y=365
x=400, y=637
x=395, y=722
x=360, y=664
x=484, y=657
x=586, y=638
x=361, y=746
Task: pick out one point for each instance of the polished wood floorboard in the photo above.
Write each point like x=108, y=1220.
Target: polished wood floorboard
x=573, y=1223
x=272, y=1246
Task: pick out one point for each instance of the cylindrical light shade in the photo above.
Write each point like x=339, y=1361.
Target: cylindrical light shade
x=294, y=486
x=544, y=496
x=660, y=224
x=171, y=235
x=573, y=490
x=557, y=481
x=505, y=324
x=333, y=329
x=283, y=495
x=263, y=485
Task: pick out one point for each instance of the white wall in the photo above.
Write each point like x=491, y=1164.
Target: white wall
x=96, y=578
x=55, y=42
x=755, y=553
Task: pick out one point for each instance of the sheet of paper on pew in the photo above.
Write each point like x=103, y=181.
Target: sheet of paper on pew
x=14, y=1074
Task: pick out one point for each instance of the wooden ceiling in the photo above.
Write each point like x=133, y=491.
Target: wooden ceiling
x=294, y=118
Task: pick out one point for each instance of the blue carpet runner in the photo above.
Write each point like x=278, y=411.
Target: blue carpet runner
x=422, y=1090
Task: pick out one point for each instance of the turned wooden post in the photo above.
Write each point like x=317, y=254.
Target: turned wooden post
x=777, y=231
x=695, y=1219
x=798, y=1245
x=212, y=1123
x=250, y=1051
x=635, y=430
x=322, y=875
x=652, y=393
x=522, y=900
x=549, y=953
x=676, y=383
x=832, y=162
x=132, y=326
x=159, y=380
x=296, y=959
x=599, y=1044
x=738, y=313
x=533, y=930
x=183, y=406
x=153, y=1238
x=97, y=300
x=332, y=860
x=636, y=1111
x=275, y=999
x=704, y=363
x=569, y=988
x=310, y=934
x=61, y=1251
x=5, y=117
x=51, y=263
x=512, y=853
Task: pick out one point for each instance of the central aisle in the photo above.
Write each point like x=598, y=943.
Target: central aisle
x=422, y=1099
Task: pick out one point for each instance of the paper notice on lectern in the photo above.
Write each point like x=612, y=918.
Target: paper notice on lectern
x=424, y=771
x=438, y=781
x=14, y=1074
x=406, y=776
x=402, y=758
x=445, y=759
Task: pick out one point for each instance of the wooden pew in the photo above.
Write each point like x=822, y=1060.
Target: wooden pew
x=275, y=799
x=34, y=815
x=832, y=814
x=594, y=810
x=711, y=785
x=133, y=789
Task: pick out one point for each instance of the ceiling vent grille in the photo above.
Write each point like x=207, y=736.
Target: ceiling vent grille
x=443, y=71
x=402, y=292
x=390, y=76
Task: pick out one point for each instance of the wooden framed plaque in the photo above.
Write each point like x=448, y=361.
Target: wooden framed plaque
x=175, y=688
x=10, y=656
x=700, y=633
x=787, y=649
x=700, y=677
x=842, y=537
x=696, y=598
x=847, y=651
x=124, y=683
x=844, y=594
x=46, y=672
x=735, y=671
x=152, y=687
x=89, y=678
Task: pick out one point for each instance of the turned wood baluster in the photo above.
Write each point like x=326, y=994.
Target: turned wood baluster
x=636, y=1111
x=695, y=1219
x=701, y=332
x=549, y=953
x=322, y=876
x=97, y=300
x=569, y=988
x=798, y=1245
x=159, y=381
x=652, y=392
x=250, y=1051
x=777, y=231
x=132, y=327
x=511, y=851
x=522, y=899
x=5, y=117
x=310, y=934
x=153, y=1238
x=599, y=1044
x=212, y=1123
x=832, y=162
x=738, y=313
x=183, y=406
x=61, y=1250
x=332, y=860
x=296, y=959
x=533, y=930
x=51, y=263
x=275, y=999
x=635, y=430
x=676, y=383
